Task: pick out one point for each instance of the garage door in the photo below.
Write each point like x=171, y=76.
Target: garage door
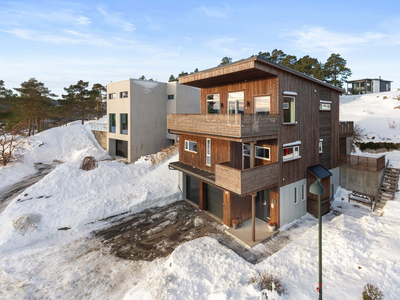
x=192, y=188
x=215, y=201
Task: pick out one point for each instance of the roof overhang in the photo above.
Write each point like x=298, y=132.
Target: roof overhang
x=319, y=171
x=243, y=70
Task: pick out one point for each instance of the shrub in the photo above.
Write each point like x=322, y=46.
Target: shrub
x=372, y=292
x=264, y=281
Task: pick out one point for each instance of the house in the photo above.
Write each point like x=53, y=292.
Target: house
x=137, y=115
x=264, y=135
x=368, y=85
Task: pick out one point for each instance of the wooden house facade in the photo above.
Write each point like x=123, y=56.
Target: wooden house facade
x=261, y=127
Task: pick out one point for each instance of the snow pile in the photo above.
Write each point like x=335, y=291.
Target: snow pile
x=70, y=197
x=375, y=113
x=66, y=144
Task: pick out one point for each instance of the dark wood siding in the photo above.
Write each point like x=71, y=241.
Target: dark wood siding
x=325, y=134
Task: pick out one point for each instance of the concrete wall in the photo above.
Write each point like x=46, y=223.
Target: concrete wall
x=289, y=211
x=101, y=137
x=335, y=181
x=366, y=182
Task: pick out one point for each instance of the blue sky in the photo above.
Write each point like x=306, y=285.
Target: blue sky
x=60, y=43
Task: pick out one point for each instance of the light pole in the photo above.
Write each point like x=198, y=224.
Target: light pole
x=317, y=189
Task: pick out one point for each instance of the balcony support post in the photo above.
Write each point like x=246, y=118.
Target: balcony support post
x=253, y=217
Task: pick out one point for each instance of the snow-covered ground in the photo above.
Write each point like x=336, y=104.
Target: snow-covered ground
x=39, y=261
x=375, y=113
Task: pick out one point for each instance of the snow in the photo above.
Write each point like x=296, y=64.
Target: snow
x=373, y=112
x=66, y=144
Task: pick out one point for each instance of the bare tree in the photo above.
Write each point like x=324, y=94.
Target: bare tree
x=10, y=141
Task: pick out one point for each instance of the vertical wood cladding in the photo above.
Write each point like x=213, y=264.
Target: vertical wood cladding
x=251, y=88
x=313, y=200
x=220, y=152
x=325, y=134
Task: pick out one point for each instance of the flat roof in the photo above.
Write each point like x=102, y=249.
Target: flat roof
x=245, y=69
x=369, y=79
x=319, y=171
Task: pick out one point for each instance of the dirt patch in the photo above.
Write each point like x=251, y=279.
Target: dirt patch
x=156, y=232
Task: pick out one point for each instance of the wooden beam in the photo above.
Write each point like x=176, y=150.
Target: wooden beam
x=253, y=217
x=202, y=195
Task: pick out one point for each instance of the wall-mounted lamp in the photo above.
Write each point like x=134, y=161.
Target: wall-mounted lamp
x=248, y=103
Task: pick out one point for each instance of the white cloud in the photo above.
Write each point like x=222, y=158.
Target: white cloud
x=229, y=46
x=115, y=19
x=320, y=39
x=213, y=12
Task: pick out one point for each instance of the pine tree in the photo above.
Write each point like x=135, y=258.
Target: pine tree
x=79, y=100
x=34, y=103
x=99, y=93
x=310, y=66
x=335, y=70
x=142, y=77
x=172, y=78
x=225, y=61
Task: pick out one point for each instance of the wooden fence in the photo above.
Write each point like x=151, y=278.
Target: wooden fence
x=363, y=162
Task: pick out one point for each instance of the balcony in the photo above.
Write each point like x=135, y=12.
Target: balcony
x=232, y=126
x=346, y=129
x=243, y=182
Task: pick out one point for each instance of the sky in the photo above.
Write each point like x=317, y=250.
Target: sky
x=61, y=42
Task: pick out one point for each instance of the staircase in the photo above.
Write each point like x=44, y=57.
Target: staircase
x=388, y=187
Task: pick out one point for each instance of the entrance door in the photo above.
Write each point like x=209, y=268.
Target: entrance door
x=215, y=201
x=192, y=188
x=263, y=205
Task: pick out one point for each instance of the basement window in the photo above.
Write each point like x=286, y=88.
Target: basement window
x=262, y=152
x=191, y=146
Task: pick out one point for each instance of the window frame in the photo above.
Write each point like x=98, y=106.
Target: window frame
x=260, y=157
x=213, y=100
x=303, y=192
x=171, y=97
x=293, y=147
x=208, y=152
x=112, y=96
x=293, y=106
x=109, y=123
x=237, y=102
x=255, y=105
x=296, y=196
x=127, y=124
x=123, y=95
x=187, y=146
x=320, y=146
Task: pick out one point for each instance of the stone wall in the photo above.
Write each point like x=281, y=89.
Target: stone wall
x=101, y=137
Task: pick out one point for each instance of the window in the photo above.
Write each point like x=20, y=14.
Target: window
x=288, y=110
x=124, y=123
x=170, y=97
x=324, y=106
x=191, y=146
x=112, y=96
x=349, y=85
x=320, y=146
x=112, y=123
x=262, y=152
x=123, y=95
x=236, y=103
x=213, y=104
x=296, y=199
x=208, y=152
x=246, y=149
x=362, y=85
x=262, y=105
x=291, y=153
x=303, y=192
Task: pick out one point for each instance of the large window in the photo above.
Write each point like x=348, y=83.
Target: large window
x=124, y=123
x=262, y=152
x=262, y=105
x=112, y=123
x=123, y=94
x=291, y=152
x=236, y=103
x=112, y=96
x=288, y=110
x=208, y=152
x=191, y=146
x=213, y=104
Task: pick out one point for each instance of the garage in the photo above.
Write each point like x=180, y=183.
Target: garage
x=214, y=200
x=192, y=188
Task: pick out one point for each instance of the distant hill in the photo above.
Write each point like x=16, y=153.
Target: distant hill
x=376, y=113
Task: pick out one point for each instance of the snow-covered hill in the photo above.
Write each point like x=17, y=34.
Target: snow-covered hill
x=375, y=113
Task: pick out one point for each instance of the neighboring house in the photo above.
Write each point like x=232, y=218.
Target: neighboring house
x=137, y=115
x=367, y=86
x=264, y=135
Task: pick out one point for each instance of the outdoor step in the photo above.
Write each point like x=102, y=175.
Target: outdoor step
x=383, y=193
x=380, y=205
x=385, y=197
x=387, y=189
x=393, y=170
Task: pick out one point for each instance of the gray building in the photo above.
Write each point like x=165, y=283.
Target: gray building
x=368, y=85
x=137, y=115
